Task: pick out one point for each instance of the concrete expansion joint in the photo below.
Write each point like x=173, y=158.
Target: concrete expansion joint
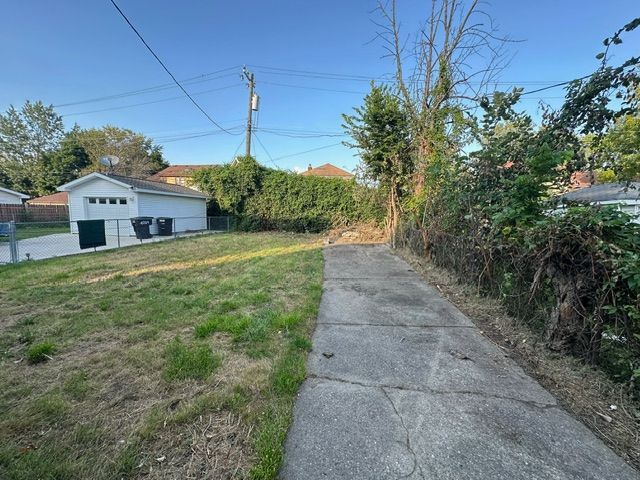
x=407, y=442
x=347, y=324
x=430, y=391
x=409, y=278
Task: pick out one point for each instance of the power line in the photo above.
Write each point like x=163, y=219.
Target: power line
x=157, y=88
x=166, y=69
x=556, y=85
x=307, y=151
x=265, y=150
x=300, y=135
x=167, y=99
x=179, y=138
x=314, y=88
x=131, y=105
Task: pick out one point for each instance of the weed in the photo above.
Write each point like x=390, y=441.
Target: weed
x=189, y=361
x=40, y=352
x=301, y=343
x=236, y=325
x=289, y=372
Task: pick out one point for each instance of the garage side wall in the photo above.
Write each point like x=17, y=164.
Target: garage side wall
x=97, y=188
x=10, y=199
x=190, y=213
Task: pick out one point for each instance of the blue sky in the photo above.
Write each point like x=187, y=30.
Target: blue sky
x=74, y=50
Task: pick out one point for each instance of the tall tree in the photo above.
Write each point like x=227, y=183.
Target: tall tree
x=441, y=72
x=380, y=130
x=138, y=155
x=61, y=166
x=25, y=135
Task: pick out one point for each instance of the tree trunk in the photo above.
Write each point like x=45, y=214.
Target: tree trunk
x=566, y=321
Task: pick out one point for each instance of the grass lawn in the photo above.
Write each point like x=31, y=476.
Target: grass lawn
x=24, y=231
x=178, y=359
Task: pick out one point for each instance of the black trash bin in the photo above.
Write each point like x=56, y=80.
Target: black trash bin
x=141, y=227
x=165, y=226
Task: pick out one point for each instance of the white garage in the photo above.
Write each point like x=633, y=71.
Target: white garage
x=117, y=199
x=11, y=197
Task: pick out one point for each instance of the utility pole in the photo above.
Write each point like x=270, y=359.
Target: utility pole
x=251, y=79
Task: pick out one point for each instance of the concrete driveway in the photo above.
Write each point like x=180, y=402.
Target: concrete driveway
x=402, y=385
x=61, y=244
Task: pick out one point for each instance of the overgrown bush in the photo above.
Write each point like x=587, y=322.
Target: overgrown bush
x=266, y=199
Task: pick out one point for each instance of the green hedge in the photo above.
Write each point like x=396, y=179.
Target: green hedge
x=266, y=199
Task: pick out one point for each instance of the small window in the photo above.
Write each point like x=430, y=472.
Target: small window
x=113, y=201
x=102, y=201
x=123, y=201
x=92, y=200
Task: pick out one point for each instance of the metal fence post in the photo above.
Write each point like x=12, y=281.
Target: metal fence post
x=118, y=230
x=13, y=242
x=228, y=224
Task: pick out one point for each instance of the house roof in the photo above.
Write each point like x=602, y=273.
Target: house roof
x=59, y=198
x=605, y=192
x=136, y=184
x=327, y=170
x=13, y=192
x=178, y=171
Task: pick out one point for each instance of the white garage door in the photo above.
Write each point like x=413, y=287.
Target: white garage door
x=110, y=209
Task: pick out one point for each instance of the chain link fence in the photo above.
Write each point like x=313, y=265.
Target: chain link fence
x=21, y=241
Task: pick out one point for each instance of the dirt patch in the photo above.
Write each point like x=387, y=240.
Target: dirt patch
x=585, y=392
x=362, y=233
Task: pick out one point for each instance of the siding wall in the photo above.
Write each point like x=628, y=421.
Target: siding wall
x=8, y=198
x=98, y=188
x=190, y=213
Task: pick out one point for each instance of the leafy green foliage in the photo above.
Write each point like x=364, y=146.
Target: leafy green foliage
x=266, y=199
x=139, y=156
x=231, y=185
x=494, y=216
x=25, y=135
x=61, y=166
x=381, y=131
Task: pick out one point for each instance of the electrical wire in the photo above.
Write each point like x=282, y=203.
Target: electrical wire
x=265, y=150
x=560, y=84
x=307, y=151
x=157, y=88
x=238, y=148
x=131, y=105
x=166, y=69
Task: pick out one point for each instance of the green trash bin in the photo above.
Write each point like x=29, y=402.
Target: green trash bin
x=165, y=226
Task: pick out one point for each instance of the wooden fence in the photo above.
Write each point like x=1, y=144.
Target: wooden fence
x=33, y=213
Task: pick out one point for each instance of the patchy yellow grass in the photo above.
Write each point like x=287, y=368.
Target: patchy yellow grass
x=117, y=396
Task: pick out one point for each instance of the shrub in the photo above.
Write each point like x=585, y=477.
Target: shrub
x=40, y=352
x=266, y=199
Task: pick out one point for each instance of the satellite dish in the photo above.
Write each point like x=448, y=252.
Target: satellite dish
x=109, y=161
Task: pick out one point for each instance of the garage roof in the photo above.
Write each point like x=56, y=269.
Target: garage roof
x=605, y=192
x=136, y=184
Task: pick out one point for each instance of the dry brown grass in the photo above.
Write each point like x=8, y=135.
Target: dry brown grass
x=585, y=392
x=102, y=405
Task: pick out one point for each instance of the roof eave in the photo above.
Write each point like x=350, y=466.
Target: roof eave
x=173, y=194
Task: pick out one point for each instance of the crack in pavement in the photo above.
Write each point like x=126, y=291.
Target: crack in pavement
x=431, y=391
x=407, y=443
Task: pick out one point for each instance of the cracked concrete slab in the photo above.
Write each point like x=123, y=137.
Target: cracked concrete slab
x=347, y=432
x=433, y=359
x=413, y=390
x=480, y=438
